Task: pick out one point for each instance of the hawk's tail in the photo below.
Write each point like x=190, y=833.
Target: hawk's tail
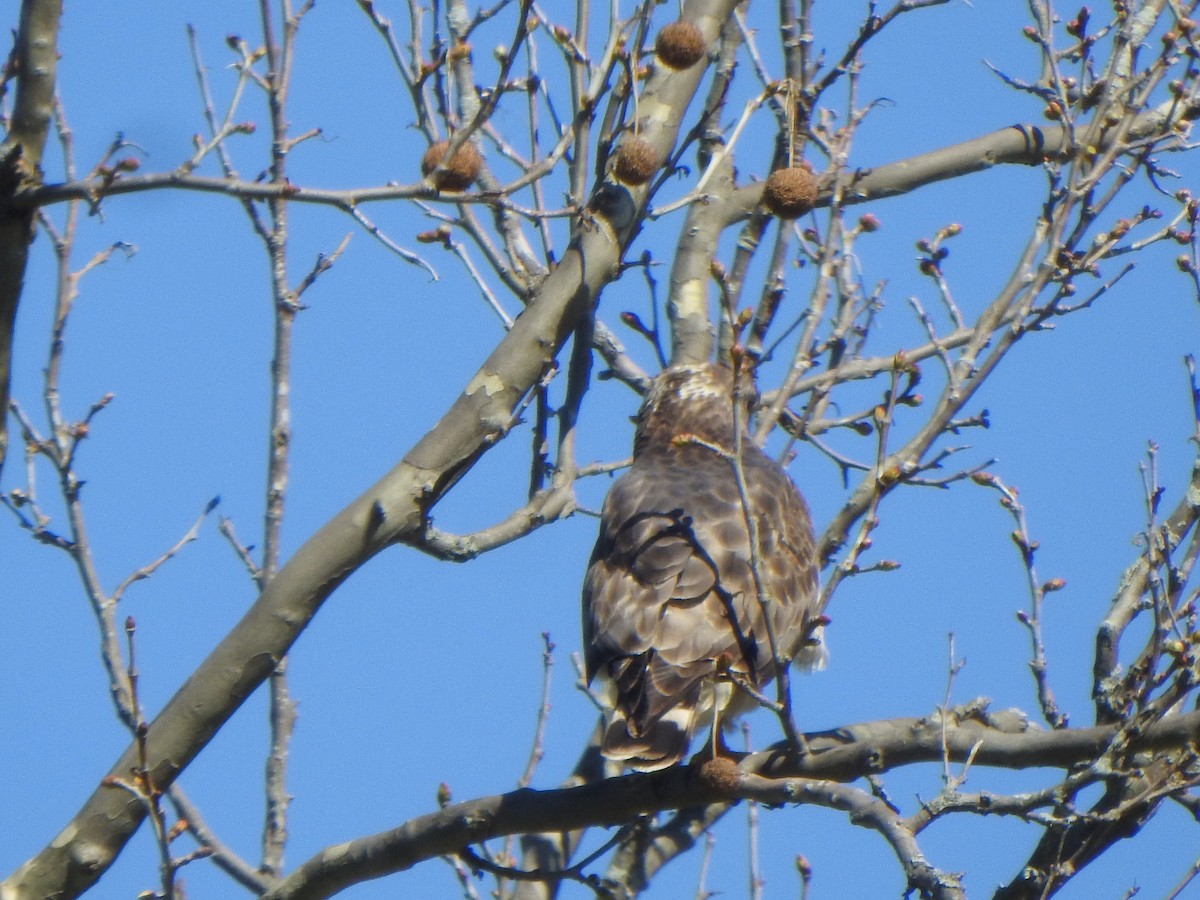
x=663, y=743
x=655, y=712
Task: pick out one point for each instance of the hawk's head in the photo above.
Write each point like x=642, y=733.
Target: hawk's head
x=693, y=400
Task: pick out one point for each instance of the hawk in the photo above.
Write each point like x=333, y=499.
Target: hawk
x=671, y=613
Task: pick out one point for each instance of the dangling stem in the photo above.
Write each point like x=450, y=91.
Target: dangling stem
x=789, y=94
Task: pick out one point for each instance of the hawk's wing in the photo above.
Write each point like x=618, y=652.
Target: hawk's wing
x=670, y=590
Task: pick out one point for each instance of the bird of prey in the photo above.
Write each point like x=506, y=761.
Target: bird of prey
x=671, y=612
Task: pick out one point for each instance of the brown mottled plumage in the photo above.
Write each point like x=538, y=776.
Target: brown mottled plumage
x=669, y=590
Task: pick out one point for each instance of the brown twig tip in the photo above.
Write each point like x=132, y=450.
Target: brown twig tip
x=459, y=173
x=790, y=193
x=890, y=475
x=636, y=162
x=440, y=235
x=719, y=774
x=680, y=45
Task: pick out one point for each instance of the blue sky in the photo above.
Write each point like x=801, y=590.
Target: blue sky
x=418, y=672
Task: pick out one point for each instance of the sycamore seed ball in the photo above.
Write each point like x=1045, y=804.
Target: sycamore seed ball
x=680, y=45
x=720, y=774
x=460, y=172
x=790, y=193
x=636, y=161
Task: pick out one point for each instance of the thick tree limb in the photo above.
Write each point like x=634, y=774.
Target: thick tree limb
x=36, y=58
x=1019, y=144
x=841, y=755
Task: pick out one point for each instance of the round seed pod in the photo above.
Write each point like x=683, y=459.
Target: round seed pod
x=636, y=161
x=720, y=774
x=790, y=193
x=680, y=45
x=461, y=171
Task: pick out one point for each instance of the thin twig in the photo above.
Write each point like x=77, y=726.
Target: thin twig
x=537, y=750
x=150, y=568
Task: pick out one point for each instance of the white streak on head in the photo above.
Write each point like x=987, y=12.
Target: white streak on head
x=701, y=384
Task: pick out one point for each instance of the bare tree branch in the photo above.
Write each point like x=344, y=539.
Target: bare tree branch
x=841, y=756
x=36, y=58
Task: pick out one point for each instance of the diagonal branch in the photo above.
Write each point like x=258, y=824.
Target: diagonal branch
x=36, y=59
x=388, y=512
